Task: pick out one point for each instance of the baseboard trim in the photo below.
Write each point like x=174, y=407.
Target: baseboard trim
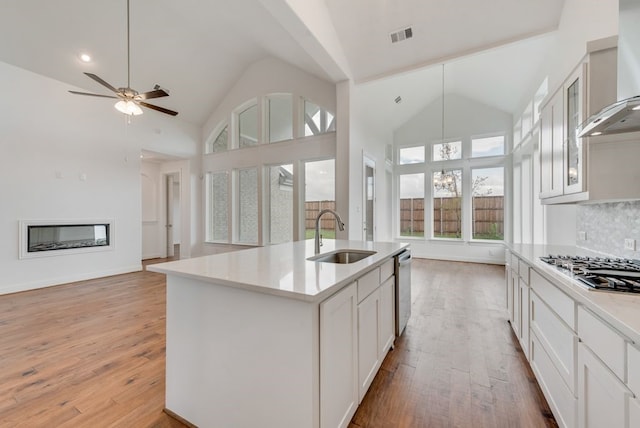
x=179, y=418
x=67, y=279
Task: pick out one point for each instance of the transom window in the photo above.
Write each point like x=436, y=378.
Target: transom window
x=447, y=151
x=248, y=127
x=487, y=146
x=317, y=120
x=410, y=155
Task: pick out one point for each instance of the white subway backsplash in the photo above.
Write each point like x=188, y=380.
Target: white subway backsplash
x=607, y=225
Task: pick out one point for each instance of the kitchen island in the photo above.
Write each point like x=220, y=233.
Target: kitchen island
x=264, y=337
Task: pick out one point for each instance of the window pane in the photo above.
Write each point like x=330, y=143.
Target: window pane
x=317, y=120
x=447, y=151
x=488, y=203
x=220, y=143
x=248, y=127
x=409, y=155
x=217, y=206
x=248, y=205
x=281, y=204
x=412, y=204
x=319, y=194
x=280, y=118
x=447, y=204
x=490, y=146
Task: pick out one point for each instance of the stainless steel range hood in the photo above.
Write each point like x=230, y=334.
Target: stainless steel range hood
x=624, y=115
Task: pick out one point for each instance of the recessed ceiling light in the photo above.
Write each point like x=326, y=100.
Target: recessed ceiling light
x=84, y=57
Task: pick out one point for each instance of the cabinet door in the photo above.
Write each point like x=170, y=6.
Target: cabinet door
x=338, y=358
x=524, y=317
x=573, y=170
x=602, y=397
x=551, y=144
x=515, y=321
x=507, y=280
x=368, y=346
x=387, y=316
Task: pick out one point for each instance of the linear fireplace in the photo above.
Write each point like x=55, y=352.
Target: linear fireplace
x=48, y=238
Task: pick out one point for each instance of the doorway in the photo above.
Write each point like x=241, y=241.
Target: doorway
x=172, y=214
x=369, y=169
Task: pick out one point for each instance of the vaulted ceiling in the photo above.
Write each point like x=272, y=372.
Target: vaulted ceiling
x=197, y=49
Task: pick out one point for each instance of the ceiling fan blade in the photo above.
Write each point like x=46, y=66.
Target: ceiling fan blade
x=92, y=95
x=152, y=94
x=160, y=109
x=102, y=82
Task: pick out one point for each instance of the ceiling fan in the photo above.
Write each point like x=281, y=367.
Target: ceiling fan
x=130, y=99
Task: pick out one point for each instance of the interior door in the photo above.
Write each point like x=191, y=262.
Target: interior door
x=369, y=199
x=169, y=215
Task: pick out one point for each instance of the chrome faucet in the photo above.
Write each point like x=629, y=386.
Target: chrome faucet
x=338, y=219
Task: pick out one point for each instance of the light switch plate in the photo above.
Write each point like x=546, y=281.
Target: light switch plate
x=582, y=235
x=630, y=244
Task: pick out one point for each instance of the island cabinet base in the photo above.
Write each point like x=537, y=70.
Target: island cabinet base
x=237, y=358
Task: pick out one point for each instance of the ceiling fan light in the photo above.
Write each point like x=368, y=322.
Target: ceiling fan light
x=128, y=107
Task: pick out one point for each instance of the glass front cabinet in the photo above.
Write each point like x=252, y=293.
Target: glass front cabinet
x=574, y=106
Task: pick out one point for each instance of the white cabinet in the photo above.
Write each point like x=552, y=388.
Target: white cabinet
x=602, y=397
x=387, y=316
x=338, y=358
x=544, y=322
x=570, y=170
x=517, y=273
x=376, y=324
x=368, y=345
x=551, y=146
x=524, y=301
x=357, y=329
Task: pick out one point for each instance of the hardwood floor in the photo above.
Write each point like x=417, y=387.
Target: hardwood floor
x=87, y=354
x=92, y=354
x=458, y=364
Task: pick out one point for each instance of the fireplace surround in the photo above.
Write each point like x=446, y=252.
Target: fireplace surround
x=44, y=238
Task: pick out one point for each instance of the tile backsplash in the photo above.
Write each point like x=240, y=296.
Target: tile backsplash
x=607, y=226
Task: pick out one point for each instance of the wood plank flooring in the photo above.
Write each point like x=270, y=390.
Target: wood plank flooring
x=458, y=364
x=92, y=354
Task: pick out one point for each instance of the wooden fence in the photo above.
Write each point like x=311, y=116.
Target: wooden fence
x=488, y=216
x=312, y=209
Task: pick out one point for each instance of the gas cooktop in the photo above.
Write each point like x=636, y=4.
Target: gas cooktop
x=600, y=273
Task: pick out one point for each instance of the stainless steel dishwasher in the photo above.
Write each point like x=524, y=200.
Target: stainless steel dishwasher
x=403, y=290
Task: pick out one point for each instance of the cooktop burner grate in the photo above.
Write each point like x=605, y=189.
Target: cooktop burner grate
x=600, y=273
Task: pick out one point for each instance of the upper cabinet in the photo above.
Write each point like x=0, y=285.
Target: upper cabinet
x=576, y=169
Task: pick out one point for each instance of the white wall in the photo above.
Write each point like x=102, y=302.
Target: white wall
x=48, y=139
x=364, y=141
x=581, y=22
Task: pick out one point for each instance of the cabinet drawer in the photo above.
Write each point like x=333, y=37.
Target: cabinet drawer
x=603, y=340
x=563, y=305
x=367, y=283
x=523, y=271
x=386, y=270
x=633, y=369
x=560, y=342
x=562, y=401
x=514, y=263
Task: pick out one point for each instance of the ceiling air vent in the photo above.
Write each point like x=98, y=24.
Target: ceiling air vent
x=400, y=35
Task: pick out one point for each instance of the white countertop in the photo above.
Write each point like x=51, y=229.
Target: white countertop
x=282, y=269
x=621, y=310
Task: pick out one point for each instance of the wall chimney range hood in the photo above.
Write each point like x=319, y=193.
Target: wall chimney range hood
x=624, y=115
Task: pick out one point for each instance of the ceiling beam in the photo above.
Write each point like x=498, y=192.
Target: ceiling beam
x=309, y=23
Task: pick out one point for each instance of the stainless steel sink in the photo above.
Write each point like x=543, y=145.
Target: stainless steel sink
x=342, y=256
